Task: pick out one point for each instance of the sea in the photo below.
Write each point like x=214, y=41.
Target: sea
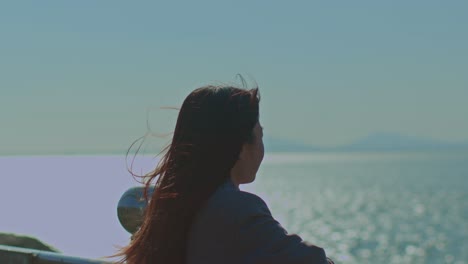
x=380, y=207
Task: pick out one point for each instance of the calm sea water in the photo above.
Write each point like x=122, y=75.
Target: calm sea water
x=362, y=208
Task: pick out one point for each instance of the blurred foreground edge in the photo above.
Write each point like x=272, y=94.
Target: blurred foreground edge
x=130, y=210
x=17, y=255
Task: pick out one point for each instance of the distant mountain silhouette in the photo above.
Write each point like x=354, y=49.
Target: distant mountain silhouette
x=398, y=142
x=373, y=142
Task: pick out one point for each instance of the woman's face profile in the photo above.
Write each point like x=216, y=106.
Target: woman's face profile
x=250, y=158
x=258, y=148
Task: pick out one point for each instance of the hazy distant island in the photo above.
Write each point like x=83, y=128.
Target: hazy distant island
x=373, y=142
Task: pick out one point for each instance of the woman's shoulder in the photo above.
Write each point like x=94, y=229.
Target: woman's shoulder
x=242, y=221
x=231, y=203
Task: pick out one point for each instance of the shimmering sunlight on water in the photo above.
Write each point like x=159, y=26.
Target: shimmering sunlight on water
x=372, y=208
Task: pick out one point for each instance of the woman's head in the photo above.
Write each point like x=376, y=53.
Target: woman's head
x=214, y=126
x=217, y=136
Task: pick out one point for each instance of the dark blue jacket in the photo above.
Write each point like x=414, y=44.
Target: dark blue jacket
x=237, y=227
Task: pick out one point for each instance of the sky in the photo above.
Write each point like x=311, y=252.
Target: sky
x=81, y=76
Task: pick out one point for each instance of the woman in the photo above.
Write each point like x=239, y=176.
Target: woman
x=197, y=214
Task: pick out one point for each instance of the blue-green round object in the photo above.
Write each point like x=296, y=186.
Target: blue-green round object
x=131, y=208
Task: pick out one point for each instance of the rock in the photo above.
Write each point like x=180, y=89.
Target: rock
x=15, y=240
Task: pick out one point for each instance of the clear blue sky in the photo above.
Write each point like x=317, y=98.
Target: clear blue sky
x=78, y=76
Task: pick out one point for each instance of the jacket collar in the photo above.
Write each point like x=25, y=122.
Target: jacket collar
x=230, y=185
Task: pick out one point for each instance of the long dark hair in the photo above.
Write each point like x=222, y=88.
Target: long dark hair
x=213, y=124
